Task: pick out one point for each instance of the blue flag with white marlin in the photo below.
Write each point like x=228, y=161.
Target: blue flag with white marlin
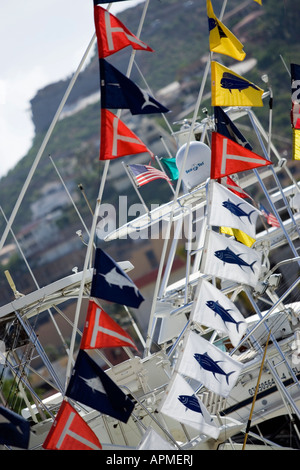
x=119, y=92
x=111, y=283
x=91, y=386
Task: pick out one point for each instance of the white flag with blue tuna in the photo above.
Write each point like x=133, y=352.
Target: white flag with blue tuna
x=182, y=404
x=153, y=441
x=228, y=259
x=204, y=362
x=224, y=208
x=214, y=309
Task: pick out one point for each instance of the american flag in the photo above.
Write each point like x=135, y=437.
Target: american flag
x=143, y=174
x=271, y=219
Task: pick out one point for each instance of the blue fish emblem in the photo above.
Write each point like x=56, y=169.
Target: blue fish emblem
x=212, y=366
x=191, y=402
x=236, y=210
x=212, y=24
x=228, y=256
x=230, y=82
x=223, y=313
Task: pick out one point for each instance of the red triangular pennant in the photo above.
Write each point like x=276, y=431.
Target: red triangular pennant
x=70, y=432
x=112, y=35
x=117, y=140
x=101, y=331
x=229, y=157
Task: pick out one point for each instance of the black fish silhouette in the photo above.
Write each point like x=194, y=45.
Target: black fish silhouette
x=212, y=366
x=232, y=82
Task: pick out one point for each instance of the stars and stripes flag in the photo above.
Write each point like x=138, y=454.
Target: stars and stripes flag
x=143, y=174
x=69, y=431
x=271, y=219
x=101, y=331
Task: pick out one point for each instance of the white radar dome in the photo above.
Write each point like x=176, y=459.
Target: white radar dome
x=197, y=165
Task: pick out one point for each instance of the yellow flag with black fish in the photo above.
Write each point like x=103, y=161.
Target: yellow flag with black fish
x=230, y=89
x=221, y=39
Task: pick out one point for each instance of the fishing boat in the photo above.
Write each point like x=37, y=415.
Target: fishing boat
x=218, y=365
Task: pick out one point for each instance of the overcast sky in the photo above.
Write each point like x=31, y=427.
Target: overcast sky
x=41, y=41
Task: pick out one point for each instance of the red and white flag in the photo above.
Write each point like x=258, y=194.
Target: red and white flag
x=101, y=331
x=229, y=157
x=117, y=140
x=69, y=431
x=112, y=35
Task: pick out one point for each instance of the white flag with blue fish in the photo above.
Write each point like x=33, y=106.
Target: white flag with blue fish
x=228, y=259
x=153, y=441
x=224, y=208
x=204, y=362
x=182, y=404
x=214, y=309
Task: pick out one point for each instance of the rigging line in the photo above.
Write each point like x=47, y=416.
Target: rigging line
x=43, y=145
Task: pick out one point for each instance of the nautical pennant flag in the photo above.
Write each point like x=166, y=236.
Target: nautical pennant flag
x=119, y=92
x=214, y=309
x=226, y=127
x=230, y=89
x=111, y=283
x=143, y=174
x=91, y=386
x=221, y=39
x=69, y=431
x=112, y=35
x=239, y=235
x=226, y=209
x=258, y=1
x=117, y=140
x=153, y=441
x=234, y=187
x=296, y=144
x=228, y=259
x=204, y=362
x=98, y=2
x=101, y=331
x=228, y=157
x=170, y=164
x=271, y=219
x=14, y=429
x=181, y=403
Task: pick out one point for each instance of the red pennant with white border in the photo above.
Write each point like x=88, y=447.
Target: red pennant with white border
x=117, y=140
x=229, y=157
x=70, y=432
x=101, y=331
x=112, y=35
